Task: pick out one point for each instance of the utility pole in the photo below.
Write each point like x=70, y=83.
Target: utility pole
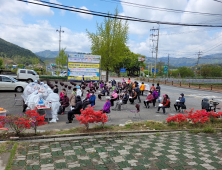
x=152, y=63
x=60, y=31
x=199, y=54
x=168, y=65
x=156, y=35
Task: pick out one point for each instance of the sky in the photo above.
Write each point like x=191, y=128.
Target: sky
x=34, y=27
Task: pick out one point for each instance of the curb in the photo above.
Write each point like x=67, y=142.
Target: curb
x=99, y=133
x=194, y=88
x=188, y=88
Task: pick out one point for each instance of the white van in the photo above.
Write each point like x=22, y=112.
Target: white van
x=27, y=75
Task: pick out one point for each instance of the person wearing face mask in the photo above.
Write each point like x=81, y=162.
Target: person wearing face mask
x=86, y=100
x=180, y=103
x=92, y=99
x=148, y=100
x=72, y=98
x=64, y=103
x=56, y=90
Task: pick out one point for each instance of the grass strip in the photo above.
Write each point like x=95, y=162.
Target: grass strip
x=13, y=151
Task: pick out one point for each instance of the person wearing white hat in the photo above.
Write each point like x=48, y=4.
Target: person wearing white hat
x=106, y=107
x=122, y=101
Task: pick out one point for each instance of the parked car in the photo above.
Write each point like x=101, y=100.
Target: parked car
x=63, y=74
x=25, y=75
x=9, y=83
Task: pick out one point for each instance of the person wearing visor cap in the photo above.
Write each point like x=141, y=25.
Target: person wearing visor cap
x=165, y=103
x=180, y=102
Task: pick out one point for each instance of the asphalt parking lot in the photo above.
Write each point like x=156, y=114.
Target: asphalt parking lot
x=193, y=100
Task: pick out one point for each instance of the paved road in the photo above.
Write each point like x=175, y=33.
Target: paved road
x=168, y=151
x=193, y=100
x=192, y=80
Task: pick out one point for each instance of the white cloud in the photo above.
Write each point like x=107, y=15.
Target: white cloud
x=42, y=36
x=179, y=45
x=39, y=36
x=85, y=16
x=13, y=7
x=62, y=12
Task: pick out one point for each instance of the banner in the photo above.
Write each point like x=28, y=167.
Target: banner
x=83, y=60
x=70, y=78
x=84, y=56
x=79, y=74
x=80, y=65
x=87, y=65
x=84, y=69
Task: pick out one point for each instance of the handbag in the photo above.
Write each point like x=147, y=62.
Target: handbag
x=60, y=110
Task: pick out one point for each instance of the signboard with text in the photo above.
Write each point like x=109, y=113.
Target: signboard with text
x=153, y=70
x=141, y=59
x=122, y=70
x=165, y=69
x=87, y=65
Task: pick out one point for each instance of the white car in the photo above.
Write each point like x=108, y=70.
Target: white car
x=63, y=74
x=9, y=83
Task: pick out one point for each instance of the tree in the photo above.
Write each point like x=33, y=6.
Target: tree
x=1, y=62
x=61, y=59
x=128, y=61
x=185, y=72
x=109, y=41
x=206, y=71
x=216, y=71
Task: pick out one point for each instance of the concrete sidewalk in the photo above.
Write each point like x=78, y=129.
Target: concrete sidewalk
x=136, y=152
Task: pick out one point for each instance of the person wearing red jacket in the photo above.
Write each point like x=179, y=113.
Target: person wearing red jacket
x=165, y=103
x=64, y=102
x=148, y=100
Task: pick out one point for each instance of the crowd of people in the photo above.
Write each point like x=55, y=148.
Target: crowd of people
x=115, y=93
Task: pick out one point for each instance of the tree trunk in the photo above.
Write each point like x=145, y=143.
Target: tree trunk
x=107, y=75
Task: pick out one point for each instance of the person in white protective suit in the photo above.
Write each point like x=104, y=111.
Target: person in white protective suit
x=79, y=92
x=29, y=89
x=53, y=101
x=37, y=86
x=33, y=100
x=44, y=89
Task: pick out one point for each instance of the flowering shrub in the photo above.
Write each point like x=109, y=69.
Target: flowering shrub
x=90, y=116
x=18, y=123
x=197, y=116
x=177, y=118
x=2, y=123
x=37, y=120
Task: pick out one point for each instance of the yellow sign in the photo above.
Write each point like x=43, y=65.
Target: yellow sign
x=77, y=65
x=80, y=78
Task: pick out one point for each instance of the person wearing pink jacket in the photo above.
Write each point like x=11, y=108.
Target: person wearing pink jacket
x=148, y=100
x=114, y=97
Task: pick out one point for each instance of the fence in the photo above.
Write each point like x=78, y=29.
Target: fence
x=209, y=84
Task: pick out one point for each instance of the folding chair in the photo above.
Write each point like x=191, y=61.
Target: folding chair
x=124, y=107
x=136, y=112
x=109, y=117
x=18, y=100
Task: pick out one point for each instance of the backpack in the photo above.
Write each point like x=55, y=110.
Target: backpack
x=137, y=90
x=155, y=95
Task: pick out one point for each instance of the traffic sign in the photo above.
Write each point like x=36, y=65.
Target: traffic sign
x=165, y=69
x=122, y=70
x=154, y=71
x=141, y=59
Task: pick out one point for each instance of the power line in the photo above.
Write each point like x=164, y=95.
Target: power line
x=162, y=9
x=127, y=18
x=218, y=1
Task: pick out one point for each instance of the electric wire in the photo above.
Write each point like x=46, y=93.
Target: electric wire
x=162, y=9
x=127, y=18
